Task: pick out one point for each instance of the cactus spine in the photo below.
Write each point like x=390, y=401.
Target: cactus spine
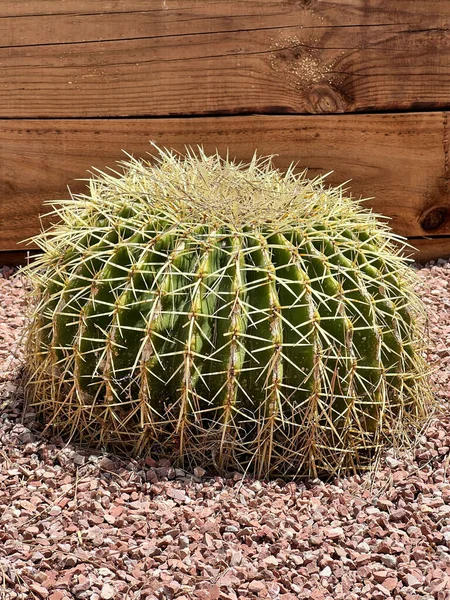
x=226, y=314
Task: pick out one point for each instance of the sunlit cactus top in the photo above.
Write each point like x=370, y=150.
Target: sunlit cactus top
x=199, y=188
x=228, y=315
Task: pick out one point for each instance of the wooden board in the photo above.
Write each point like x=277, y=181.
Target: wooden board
x=79, y=58
x=431, y=248
x=400, y=159
x=198, y=16
x=17, y=258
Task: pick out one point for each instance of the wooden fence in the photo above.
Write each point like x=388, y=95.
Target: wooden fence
x=359, y=87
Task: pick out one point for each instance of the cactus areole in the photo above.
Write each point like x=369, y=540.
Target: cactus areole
x=227, y=315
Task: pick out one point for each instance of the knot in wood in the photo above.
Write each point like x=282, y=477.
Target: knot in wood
x=435, y=218
x=323, y=98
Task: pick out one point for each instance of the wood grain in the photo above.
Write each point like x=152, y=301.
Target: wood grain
x=430, y=248
x=399, y=159
x=114, y=58
x=17, y=258
x=271, y=12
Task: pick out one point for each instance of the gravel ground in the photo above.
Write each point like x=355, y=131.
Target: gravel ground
x=77, y=525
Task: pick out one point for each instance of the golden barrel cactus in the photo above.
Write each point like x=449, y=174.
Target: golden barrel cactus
x=227, y=315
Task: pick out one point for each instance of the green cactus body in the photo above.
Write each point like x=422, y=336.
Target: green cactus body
x=227, y=315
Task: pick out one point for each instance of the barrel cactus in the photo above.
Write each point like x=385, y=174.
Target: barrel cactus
x=226, y=315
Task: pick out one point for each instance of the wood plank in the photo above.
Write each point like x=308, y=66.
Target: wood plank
x=17, y=258
x=367, y=11
x=180, y=57
x=400, y=159
x=430, y=248
x=88, y=21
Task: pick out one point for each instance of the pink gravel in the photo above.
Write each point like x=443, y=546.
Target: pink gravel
x=80, y=525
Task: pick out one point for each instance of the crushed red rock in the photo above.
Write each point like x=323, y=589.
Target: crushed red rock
x=82, y=525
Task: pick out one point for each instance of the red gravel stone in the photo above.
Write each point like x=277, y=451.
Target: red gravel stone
x=41, y=591
x=57, y=595
x=390, y=583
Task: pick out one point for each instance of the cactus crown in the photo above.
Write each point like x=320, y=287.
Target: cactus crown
x=226, y=314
